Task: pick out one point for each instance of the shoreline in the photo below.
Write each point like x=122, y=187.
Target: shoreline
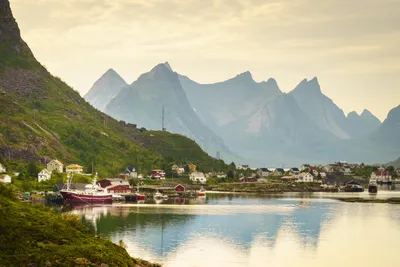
x=393, y=200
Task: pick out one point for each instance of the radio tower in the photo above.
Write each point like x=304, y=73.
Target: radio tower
x=163, y=128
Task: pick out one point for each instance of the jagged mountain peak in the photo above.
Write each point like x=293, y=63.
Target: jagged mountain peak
x=245, y=76
x=308, y=86
x=9, y=31
x=352, y=114
x=168, y=66
x=111, y=74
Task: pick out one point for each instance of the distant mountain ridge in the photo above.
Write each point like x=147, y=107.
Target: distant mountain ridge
x=260, y=123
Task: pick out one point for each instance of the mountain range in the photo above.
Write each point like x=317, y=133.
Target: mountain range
x=255, y=121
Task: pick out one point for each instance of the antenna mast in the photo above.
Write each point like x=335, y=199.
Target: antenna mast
x=163, y=128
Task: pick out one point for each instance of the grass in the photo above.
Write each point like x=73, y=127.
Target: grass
x=36, y=236
x=365, y=200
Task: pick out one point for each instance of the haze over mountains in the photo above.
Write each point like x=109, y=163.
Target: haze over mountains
x=256, y=121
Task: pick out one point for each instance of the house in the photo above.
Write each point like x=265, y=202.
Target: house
x=346, y=170
x=248, y=179
x=305, y=167
x=74, y=168
x=2, y=168
x=5, y=178
x=263, y=172
x=178, y=169
x=294, y=171
x=289, y=179
x=221, y=175
x=44, y=175
x=116, y=185
x=323, y=174
x=180, y=188
x=192, y=167
x=198, y=177
x=383, y=176
x=129, y=172
x=55, y=166
x=157, y=174
x=328, y=168
x=262, y=180
x=305, y=177
x=279, y=171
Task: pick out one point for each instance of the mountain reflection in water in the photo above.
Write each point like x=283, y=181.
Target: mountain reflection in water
x=245, y=230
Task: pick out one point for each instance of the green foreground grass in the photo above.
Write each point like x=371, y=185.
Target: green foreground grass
x=36, y=236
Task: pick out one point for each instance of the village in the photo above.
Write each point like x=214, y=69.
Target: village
x=330, y=177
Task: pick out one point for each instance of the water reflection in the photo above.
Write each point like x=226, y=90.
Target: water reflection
x=243, y=230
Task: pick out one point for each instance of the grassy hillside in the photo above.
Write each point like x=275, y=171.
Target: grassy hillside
x=42, y=118
x=36, y=236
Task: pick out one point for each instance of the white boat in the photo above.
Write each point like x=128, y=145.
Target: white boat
x=158, y=195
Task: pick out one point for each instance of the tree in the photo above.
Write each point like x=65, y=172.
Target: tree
x=230, y=174
x=187, y=169
x=33, y=169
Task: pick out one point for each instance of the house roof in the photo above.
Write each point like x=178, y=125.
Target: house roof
x=382, y=173
x=295, y=169
x=279, y=170
x=130, y=169
x=264, y=169
x=74, y=166
x=56, y=161
x=45, y=170
x=305, y=173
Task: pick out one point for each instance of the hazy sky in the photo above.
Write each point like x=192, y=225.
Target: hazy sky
x=352, y=46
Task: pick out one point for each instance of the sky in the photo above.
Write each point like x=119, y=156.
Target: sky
x=351, y=46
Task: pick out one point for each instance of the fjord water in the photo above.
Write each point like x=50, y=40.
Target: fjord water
x=249, y=230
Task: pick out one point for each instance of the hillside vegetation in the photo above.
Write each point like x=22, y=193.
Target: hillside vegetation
x=36, y=236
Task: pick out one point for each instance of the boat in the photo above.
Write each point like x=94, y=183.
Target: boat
x=201, y=192
x=93, y=193
x=355, y=188
x=372, y=187
x=116, y=197
x=139, y=196
x=158, y=195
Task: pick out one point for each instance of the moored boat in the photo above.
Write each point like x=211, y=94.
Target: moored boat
x=354, y=188
x=201, y=192
x=372, y=187
x=139, y=196
x=93, y=193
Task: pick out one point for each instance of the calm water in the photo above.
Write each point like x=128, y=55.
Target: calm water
x=247, y=230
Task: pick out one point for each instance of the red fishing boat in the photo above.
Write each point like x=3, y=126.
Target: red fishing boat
x=93, y=194
x=139, y=196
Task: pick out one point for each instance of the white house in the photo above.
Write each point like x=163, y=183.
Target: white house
x=382, y=176
x=5, y=178
x=323, y=174
x=74, y=168
x=55, y=166
x=44, y=175
x=198, y=177
x=264, y=172
x=305, y=177
x=2, y=168
x=130, y=172
x=178, y=169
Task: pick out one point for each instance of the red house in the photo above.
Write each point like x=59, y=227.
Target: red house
x=117, y=185
x=157, y=174
x=180, y=188
x=248, y=180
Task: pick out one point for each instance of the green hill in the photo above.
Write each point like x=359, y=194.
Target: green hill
x=36, y=236
x=42, y=118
